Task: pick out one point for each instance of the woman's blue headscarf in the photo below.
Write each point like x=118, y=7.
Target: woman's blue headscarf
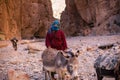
x=54, y=26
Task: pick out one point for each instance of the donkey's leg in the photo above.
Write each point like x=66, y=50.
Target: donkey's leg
x=117, y=76
x=15, y=48
x=15, y=45
x=46, y=74
x=117, y=72
x=99, y=76
x=51, y=74
x=60, y=75
x=54, y=76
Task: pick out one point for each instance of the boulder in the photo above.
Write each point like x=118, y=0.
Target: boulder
x=17, y=75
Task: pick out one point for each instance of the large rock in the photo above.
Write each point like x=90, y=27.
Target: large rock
x=96, y=17
x=25, y=18
x=2, y=76
x=17, y=75
x=4, y=44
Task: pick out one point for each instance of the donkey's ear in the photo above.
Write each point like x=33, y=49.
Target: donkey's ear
x=77, y=53
x=67, y=56
x=62, y=52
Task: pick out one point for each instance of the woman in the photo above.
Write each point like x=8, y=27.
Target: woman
x=55, y=37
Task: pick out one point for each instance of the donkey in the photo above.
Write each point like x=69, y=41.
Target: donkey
x=61, y=63
x=103, y=72
x=110, y=73
x=14, y=43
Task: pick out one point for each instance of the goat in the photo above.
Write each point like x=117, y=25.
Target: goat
x=61, y=63
x=14, y=43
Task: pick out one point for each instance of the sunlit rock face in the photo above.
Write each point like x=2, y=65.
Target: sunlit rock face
x=24, y=18
x=91, y=17
x=10, y=18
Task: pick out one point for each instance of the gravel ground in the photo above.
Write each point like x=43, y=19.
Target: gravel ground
x=30, y=62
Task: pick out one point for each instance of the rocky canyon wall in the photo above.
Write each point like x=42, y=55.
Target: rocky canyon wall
x=29, y=18
x=36, y=17
x=10, y=18
x=91, y=17
x=24, y=18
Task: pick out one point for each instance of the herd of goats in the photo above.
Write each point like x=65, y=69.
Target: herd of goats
x=63, y=65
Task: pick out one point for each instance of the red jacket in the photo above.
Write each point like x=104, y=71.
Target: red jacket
x=56, y=40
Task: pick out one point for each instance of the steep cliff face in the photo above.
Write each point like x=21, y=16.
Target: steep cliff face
x=96, y=17
x=10, y=18
x=36, y=17
x=24, y=18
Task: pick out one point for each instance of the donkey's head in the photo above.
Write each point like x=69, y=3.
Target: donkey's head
x=72, y=65
x=14, y=43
